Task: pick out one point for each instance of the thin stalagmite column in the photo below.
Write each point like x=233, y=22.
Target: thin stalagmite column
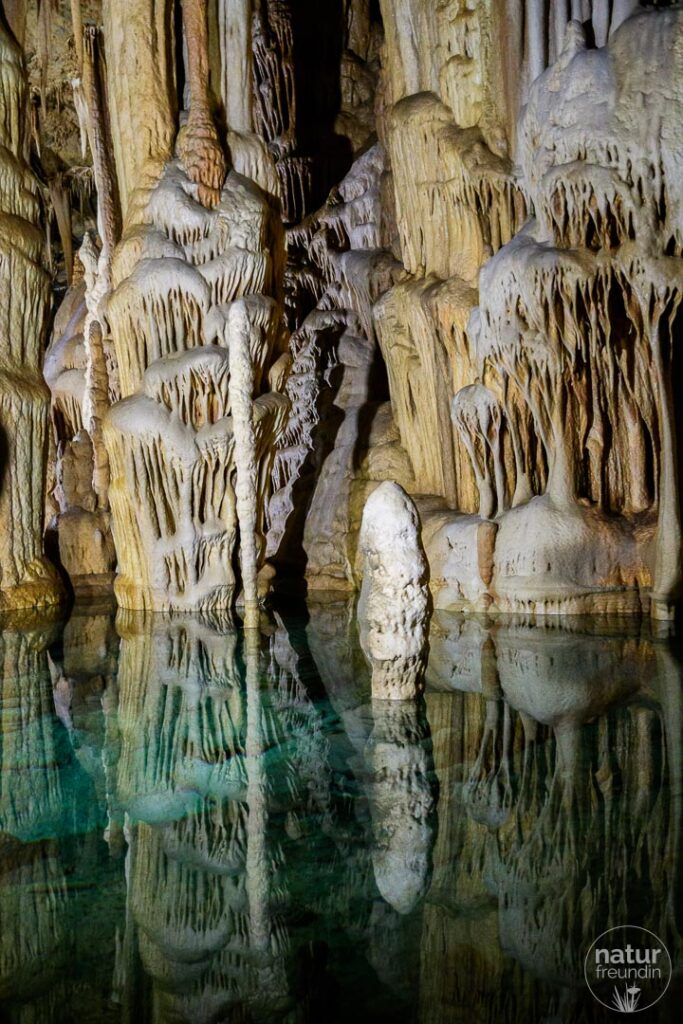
x=98, y=266
x=242, y=406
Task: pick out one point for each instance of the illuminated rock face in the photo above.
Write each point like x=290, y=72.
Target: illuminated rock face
x=26, y=578
x=531, y=352
x=456, y=229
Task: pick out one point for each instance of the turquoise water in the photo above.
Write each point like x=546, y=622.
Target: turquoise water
x=194, y=829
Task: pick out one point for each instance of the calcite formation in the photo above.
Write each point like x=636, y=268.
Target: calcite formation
x=546, y=292
x=26, y=578
x=195, y=428
x=306, y=253
x=394, y=600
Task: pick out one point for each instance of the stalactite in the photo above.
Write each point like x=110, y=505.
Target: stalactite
x=142, y=105
x=15, y=13
x=200, y=147
x=45, y=9
x=77, y=24
x=536, y=38
x=234, y=22
x=61, y=204
x=108, y=217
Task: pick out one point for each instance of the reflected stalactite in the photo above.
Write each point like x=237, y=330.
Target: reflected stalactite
x=50, y=805
x=294, y=848
x=205, y=892
x=577, y=725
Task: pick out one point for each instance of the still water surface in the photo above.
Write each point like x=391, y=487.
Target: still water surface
x=192, y=829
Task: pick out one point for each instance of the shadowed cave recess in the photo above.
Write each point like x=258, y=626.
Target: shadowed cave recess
x=341, y=526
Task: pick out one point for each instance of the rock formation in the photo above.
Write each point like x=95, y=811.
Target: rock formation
x=26, y=578
x=394, y=600
x=448, y=236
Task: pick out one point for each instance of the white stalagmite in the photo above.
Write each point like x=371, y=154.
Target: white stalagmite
x=393, y=610
x=96, y=394
x=241, y=390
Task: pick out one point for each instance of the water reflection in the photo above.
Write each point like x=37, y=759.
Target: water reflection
x=198, y=824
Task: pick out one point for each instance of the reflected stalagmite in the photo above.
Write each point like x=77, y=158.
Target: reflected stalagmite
x=400, y=793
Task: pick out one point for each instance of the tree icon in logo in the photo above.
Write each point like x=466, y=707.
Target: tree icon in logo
x=628, y=1003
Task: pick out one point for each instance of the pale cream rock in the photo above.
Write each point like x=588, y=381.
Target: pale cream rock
x=393, y=610
x=422, y=331
x=196, y=443
x=26, y=578
x=175, y=443
x=140, y=35
x=460, y=551
x=340, y=442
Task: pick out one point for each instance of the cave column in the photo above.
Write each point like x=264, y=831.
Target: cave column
x=26, y=578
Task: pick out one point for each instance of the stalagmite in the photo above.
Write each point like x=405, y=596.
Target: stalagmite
x=393, y=609
x=241, y=391
x=175, y=435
